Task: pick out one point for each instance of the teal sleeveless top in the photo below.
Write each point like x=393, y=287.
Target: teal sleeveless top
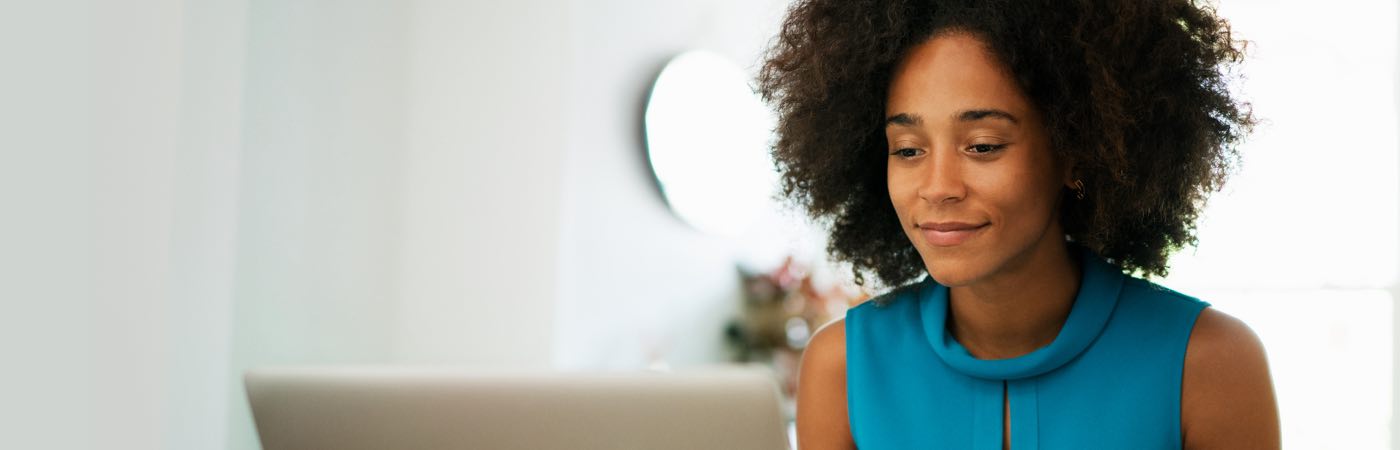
x=1111, y=379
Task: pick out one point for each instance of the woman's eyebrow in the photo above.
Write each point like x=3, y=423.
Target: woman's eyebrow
x=968, y=115
x=978, y=114
x=904, y=119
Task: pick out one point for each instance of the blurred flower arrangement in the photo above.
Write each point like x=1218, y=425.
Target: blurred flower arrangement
x=781, y=311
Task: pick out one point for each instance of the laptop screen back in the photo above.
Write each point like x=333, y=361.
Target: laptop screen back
x=415, y=408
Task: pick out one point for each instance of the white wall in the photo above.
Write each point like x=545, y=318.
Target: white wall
x=481, y=189
x=318, y=196
x=636, y=284
x=108, y=307
x=204, y=220
x=400, y=195
x=193, y=188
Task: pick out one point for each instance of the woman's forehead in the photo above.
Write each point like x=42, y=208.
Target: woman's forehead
x=951, y=73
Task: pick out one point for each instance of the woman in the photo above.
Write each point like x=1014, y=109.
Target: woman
x=1009, y=164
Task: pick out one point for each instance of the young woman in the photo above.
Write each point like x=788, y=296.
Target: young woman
x=1009, y=165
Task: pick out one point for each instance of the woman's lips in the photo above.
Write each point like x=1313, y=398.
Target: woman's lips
x=948, y=236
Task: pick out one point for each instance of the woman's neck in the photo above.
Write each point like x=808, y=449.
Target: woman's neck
x=1018, y=309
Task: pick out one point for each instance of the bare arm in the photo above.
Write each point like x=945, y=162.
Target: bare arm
x=1227, y=394
x=821, y=392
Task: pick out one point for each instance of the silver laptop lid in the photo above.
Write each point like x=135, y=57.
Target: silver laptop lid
x=362, y=408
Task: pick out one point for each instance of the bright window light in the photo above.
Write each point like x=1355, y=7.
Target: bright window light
x=1302, y=244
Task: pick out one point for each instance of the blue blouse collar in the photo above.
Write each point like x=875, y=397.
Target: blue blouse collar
x=1098, y=294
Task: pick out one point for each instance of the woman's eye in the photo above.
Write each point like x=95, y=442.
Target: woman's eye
x=986, y=148
x=905, y=152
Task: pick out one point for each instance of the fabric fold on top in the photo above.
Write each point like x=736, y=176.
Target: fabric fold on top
x=1099, y=287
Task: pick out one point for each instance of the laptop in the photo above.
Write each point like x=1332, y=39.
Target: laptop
x=363, y=408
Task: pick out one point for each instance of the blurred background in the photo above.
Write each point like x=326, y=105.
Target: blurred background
x=192, y=188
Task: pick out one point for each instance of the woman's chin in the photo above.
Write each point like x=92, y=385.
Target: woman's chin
x=954, y=278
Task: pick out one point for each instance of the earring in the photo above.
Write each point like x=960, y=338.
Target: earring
x=1079, y=189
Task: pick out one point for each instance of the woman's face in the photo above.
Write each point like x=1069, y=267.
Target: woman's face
x=970, y=171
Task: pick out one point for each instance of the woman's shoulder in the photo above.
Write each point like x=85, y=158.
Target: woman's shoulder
x=1227, y=393
x=822, y=418
x=1219, y=340
x=828, y=343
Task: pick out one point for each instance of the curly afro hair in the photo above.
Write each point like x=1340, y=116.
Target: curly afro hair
x=1134, y=94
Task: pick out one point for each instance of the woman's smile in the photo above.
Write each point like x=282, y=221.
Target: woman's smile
x=948, y=234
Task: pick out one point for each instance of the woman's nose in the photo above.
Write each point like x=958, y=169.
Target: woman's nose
x=943, y=179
